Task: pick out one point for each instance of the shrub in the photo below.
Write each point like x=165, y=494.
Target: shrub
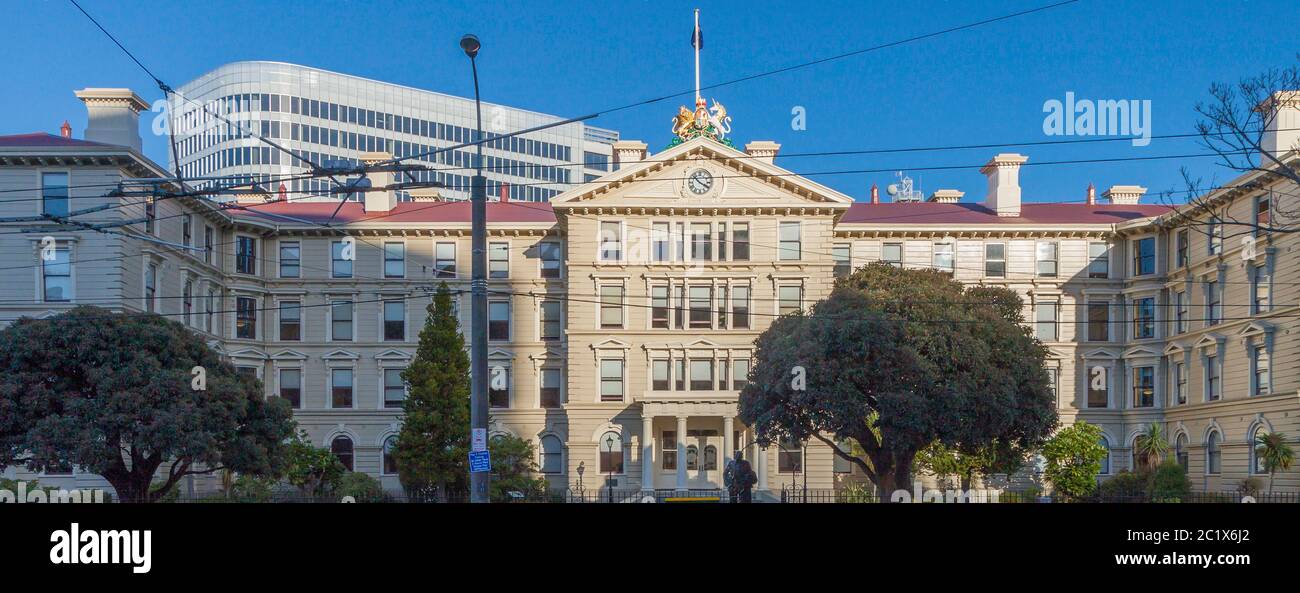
x=1169, y=483
x=360, y=486
x=1123, y=485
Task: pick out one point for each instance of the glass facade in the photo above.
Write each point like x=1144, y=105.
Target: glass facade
x=328, y=117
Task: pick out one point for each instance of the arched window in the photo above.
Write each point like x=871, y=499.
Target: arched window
x=1105, y=461
x=710, y=458
x=1180, y=450
x=341, y=447
x=552, y=461
x=390, y=465
x=611, y=453
x=692, y=458
x=1256, y=460
x=1212, y=453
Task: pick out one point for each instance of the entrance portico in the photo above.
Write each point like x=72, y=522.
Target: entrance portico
x=685, y=444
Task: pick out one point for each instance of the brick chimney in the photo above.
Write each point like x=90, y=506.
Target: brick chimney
x=1003, y=172
x=875, y=194
x=505, y=191
x=1124, y=194
x=946, y=196
x=65, y=130
x=1282, y=134
x=627, y=152
x=763, y=150
x=113, y=116
x=1091, y=196
x=379, y=201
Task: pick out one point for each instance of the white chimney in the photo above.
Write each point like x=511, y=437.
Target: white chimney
x=628, y=152
x=946, y=196
x=1003, y=172
x=1282, y=134
x=763, y=150
x=426, y=194
x=1124, y=194
x=113, y=116
x=379, y=201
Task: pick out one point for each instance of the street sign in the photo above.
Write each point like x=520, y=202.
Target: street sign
x=480, y=461
x=478, y=440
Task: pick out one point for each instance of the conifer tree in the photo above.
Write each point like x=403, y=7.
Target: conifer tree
x=432, y=448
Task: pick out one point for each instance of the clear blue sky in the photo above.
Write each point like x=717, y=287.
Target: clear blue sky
x=986, y=85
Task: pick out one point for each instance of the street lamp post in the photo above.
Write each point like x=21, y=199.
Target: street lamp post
x=478, y=481
x=609, y=480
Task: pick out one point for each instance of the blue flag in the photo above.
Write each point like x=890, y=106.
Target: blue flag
x=697, y=38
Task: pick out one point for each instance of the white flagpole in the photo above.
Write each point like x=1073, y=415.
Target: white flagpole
x=697, y=54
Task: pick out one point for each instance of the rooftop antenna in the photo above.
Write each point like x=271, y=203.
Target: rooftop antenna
x=903, y=191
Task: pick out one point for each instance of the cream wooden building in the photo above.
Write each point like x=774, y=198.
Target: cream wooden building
x=622, y=314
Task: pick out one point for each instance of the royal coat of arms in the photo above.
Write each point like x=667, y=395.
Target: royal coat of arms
x=710, y=122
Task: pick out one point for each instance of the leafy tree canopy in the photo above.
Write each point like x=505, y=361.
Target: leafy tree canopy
x=1073, y=458
x=112, y=393
x=897, y=359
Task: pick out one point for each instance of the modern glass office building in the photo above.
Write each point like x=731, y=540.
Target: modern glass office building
x=326, y=116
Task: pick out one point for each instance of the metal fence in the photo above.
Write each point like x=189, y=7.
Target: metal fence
x=851, y=496
x=602, y=496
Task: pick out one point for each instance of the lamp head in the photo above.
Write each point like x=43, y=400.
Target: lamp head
x=470, y=44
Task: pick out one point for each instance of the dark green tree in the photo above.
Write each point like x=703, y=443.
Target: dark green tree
x=432, y=448
x=315, y=471
x=897, y=359
x=114, y=394
x=514, y=468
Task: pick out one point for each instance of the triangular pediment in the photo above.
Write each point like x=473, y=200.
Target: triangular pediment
x=1173, y=348
x=393, y=354
x=1208, y=340
x=1140, y=351
x=611, y=344
x=735, y=179
x=341, y=355
x=249, y=353
x=1099, y=354
x=1255, y=328
x=500, y=354
x=288, y=355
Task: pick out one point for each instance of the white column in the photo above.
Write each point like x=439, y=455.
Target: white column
x=762, y=468
x=727, y=429
x=681, y=453
x=647, y=453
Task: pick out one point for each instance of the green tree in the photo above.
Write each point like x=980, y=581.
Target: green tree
x=1150, y=447
x=1273, y=450
x=1074, y=457
x=113, y=393
x=362, y=487
x=997, y=458
x=432, y=448
x=313, y=470
x=514, y=469
x=896, y=359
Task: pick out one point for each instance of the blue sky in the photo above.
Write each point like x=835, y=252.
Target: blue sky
x=986, y=85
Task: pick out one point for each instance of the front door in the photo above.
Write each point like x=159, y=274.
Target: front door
x=703, y=459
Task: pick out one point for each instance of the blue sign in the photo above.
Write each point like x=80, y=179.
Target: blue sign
x=480, y=461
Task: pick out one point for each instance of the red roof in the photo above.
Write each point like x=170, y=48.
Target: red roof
x=403, y=212
x=975, y=213
x=43, y=140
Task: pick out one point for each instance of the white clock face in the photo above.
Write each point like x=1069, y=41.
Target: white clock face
x=700, y=181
